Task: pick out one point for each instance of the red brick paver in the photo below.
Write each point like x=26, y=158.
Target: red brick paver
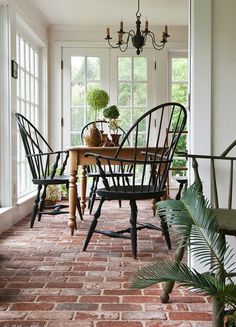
x=47, y=281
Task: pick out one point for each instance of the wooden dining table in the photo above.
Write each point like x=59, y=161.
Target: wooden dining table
x=77, y=159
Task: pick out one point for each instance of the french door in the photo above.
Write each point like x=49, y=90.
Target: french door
x=129, y=80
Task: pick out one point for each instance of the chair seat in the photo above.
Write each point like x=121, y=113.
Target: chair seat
x=130, y=193
x=226, y=219
x=109, y=174
x=62, y=179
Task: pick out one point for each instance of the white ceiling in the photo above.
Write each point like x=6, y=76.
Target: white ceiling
x=110, y=12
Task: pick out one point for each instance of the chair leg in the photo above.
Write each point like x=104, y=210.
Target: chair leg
x=133, y=227
x=93, y=224
x=165, y=230
x=90, y=193
x=35, y=207
x=168, y=286
x=93, y=196
x=41, y=203
x=79, y=209
x=118, y=183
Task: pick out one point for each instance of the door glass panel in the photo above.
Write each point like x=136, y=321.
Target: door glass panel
x=124, y=69
x=132, y=90
x=93, y=69
x=77, y=69
x=85, y=73
x=77, y=94
x=140, y=69
x=140, y=94
x=124, y=94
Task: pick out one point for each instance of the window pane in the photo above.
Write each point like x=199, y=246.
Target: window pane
x=140, y=94
x=179, y=69
x=124, y=95
x=140, y=69
x=93, y=68
x=125, y=119
x=124, y=69
x=22, y=53
x=137, y=113
x=27, y=55
x=32, y=61
x=93, y=86
x=179, y=93
x=77, y=119
x=75, y=139
x=77, y=95
x=36, y=64
x=22, y=84
x=78, y=69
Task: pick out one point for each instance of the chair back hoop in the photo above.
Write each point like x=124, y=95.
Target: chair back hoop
x=222, y=178
x=43, y=162
x=153, y=151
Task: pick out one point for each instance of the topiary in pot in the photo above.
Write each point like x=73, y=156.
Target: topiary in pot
x=112, y=113
x=97, y=99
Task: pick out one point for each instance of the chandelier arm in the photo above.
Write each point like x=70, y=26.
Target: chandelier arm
x=154, y=44
x=113, y=46
x=128, y=34
x=123, y=49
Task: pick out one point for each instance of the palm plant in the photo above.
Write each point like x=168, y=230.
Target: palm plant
x=194, y=223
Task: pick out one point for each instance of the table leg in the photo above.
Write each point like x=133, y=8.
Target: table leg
x=72, y=199
x=83, y=178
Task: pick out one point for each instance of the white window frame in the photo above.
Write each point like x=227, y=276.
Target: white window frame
x=171, y=55
x=5, y=122
x=41, y=121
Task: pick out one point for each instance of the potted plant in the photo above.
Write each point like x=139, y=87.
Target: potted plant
x=195, y=222
x=112, y=113
x=97, y=100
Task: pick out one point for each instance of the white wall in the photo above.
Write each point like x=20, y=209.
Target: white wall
x=213, y=63
x=223, y=73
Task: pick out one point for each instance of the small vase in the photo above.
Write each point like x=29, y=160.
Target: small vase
x=93, y=136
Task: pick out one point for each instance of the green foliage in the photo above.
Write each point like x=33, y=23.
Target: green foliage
x=97, y=99
x=111, y=112
x=194, y=221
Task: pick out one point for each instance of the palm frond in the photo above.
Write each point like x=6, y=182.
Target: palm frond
x=163, y=271
x=194, y=219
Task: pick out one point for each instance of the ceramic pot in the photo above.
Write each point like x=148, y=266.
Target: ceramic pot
x=93, y=136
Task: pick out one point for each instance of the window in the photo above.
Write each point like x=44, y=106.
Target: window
x=27, y=104
x=179, y=93
x=85, y=74
x=132, y=91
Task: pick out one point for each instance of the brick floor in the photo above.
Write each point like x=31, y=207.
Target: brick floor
x=47, y=281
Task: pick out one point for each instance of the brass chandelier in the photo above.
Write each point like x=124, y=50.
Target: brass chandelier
x=138, y=38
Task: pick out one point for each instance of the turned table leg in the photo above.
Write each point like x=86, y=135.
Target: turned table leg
x=72, y=200
x=83, y=178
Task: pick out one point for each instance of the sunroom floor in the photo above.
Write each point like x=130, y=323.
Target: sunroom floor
x=47, y=281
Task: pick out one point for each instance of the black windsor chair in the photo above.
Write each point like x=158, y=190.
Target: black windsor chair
x=151, y=159
x=45, y=168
